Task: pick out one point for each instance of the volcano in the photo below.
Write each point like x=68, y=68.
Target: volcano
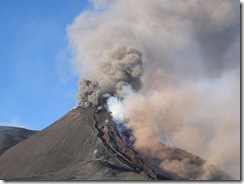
x=85, y=145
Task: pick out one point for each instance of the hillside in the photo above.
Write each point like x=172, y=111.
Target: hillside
x=10, y=136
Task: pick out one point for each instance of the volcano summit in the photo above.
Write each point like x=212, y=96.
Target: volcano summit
x=74, y=149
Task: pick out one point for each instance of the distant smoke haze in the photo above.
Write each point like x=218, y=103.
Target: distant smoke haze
x=181, y=59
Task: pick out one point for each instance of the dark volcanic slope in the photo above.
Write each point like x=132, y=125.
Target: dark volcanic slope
x=85, y=145
x=10, y=136
x=69, y=149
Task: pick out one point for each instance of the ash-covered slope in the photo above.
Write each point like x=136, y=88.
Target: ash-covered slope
x=10, y=136
x=69, y=149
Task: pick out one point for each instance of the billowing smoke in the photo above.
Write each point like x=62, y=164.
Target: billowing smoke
x=189, y=93
x=117, y=68
x=89, y=93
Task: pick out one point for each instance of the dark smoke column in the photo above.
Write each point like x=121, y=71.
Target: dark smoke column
x=89, y=93
x=119, y=68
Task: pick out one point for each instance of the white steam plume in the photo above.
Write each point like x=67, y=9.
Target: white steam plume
x=119, y=112
x=191, y=71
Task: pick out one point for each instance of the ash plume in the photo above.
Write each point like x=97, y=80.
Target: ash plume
x=89, y=93
x=191, y=73
x=121, y=66
x=118, y=68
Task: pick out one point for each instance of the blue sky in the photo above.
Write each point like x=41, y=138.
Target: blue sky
x=37, y=83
